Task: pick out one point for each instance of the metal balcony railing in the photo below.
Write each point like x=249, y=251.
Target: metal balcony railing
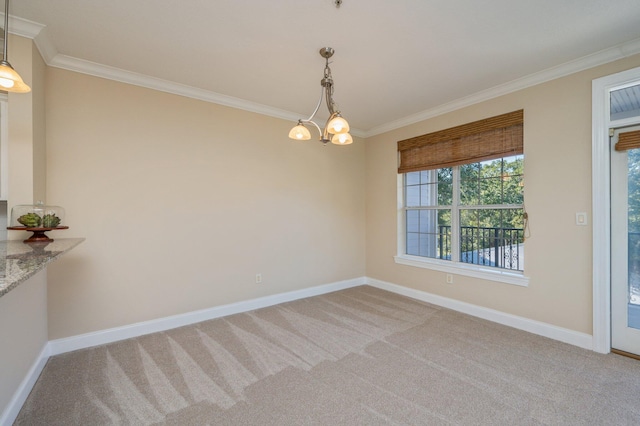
x=496, y=247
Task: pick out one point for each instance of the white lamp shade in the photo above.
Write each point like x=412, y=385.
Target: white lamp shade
x=10, y=80
x=338, y=125
x=342, y=139
x=300, y=133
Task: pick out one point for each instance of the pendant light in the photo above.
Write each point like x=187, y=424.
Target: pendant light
x=336, y=129
x=10, y=80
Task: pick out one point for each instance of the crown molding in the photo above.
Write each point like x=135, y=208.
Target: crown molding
x=599, y=58
x=116, y=74
x=35, y=31
x=52, y=57
x=45, y=46
x=23, y=27
x=136, y=79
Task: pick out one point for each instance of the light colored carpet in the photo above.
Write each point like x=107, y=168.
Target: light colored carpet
x=361, y=356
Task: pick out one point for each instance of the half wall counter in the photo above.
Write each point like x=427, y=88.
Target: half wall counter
x=20, y=261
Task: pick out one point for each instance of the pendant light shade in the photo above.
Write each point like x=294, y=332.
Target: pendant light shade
x=300, y=133
x=10, y=80
x=338, y=125
x=342, y=139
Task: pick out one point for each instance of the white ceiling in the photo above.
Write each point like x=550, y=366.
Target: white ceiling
x=394, y=61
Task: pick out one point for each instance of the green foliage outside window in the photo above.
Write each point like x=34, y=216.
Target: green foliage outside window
x=494, y=182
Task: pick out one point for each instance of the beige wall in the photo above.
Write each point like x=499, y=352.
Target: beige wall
x=557, y=140
x=182, y=202
x=26, y=128
x=23, y=311
x=23, y=333
x=39, y=128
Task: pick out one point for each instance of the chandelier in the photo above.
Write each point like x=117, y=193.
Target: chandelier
x=10, y=80
x=336, y=129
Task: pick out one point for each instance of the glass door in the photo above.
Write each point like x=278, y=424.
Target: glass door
x=625, y=241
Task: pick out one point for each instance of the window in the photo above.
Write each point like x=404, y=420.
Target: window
x=462, y=199
x=472, y=213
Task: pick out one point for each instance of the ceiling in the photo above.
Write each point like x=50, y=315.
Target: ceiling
x=395, y=60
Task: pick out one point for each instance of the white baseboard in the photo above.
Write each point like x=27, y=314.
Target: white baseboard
x=9, y=415
x=102, y=337
x=59, y=346
x=565, y=335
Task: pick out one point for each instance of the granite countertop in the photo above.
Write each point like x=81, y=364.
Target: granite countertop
x=20, y=261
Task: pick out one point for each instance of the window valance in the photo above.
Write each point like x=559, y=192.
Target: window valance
x=495, y=137
x=628, y=140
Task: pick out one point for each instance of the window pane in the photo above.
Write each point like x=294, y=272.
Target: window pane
x=412, y=244
x=445, y=186
x=492, y=237
x=491, y=190
x=470, y=171
x=514, y=190
x=634, y=190
x=412, y=178
x=413, y=196
x=429, y=233
x=413, y=221
x=470, y=192
x=445, y=194
x=492, y=182
x=429, y=194
x=444, y=234
x=429, y=188
x=445, y=175
x=513, y=180
x=491, y=168
x=514, y=165
x=428, y=221
x=625, y=103
x=633, y=235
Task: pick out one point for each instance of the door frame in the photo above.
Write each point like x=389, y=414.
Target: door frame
x=601, y=200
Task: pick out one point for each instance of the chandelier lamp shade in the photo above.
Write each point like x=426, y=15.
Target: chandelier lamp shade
x=10, y=80
x=336, y=129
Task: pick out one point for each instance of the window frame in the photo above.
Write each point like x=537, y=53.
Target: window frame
x=453, y=266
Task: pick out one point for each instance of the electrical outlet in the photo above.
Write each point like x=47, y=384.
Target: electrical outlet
x=258, y=278
x=581, y=219
x=449, y=279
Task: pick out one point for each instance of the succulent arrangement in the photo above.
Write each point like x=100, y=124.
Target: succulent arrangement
x=33, y=220
x=30, y=220
x=50, y=221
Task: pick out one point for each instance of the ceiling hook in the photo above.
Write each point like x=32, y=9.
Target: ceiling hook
x=338, y=3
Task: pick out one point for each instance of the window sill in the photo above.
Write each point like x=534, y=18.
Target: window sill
x=508, y=277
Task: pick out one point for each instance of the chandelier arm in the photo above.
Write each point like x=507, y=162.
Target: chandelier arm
x=315, y=111
x=326, y=133
x=314, y=123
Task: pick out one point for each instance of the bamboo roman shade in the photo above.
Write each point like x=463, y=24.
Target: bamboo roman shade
x=628, y=140
x=487, y=139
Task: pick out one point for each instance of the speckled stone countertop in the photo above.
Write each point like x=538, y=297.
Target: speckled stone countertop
x=19, y=261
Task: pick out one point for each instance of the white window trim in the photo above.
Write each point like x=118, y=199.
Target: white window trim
x=476, y=271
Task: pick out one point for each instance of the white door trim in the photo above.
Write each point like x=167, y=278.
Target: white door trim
x=601, y=203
